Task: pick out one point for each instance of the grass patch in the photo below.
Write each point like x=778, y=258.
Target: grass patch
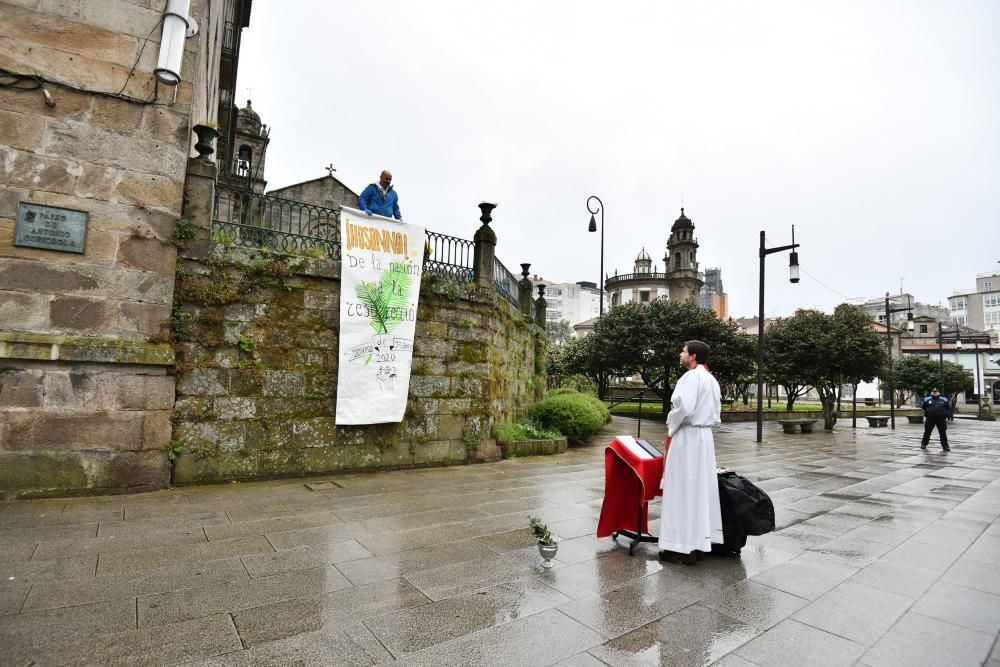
x=524, y=430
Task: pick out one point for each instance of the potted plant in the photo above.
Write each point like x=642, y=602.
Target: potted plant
x=547, y=546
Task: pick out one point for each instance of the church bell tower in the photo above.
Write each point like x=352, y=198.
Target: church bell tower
x=681, y=261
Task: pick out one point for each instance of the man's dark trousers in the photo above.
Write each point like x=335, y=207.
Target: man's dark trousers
x=942, y=426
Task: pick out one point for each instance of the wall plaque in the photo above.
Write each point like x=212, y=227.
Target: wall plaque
x=50, y=228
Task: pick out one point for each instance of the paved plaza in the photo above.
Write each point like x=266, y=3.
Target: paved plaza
x=885, y=555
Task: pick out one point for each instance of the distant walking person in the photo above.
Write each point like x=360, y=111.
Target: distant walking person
x=380, y=199
x=691, y=519
x=937, y=410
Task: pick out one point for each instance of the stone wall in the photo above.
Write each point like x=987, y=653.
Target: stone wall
x=80, y=334
x=257, y=360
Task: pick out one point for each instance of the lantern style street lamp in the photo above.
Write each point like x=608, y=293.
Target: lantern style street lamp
x=888, y=337
x=793, y=277
x=593, y=228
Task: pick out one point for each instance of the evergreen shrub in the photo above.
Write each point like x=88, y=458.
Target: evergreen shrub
x=573, y=414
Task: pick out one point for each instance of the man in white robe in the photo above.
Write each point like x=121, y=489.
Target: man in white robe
x=691, y=519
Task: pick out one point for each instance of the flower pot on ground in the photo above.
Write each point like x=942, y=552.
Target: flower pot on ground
x=547, y=552
x=547, y=546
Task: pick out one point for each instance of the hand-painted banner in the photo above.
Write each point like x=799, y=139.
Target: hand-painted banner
x=382, y=260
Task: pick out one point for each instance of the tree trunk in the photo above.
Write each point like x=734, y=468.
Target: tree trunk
x=792, y=392
x=665, y=410
x=602, y=385
x=827, y=396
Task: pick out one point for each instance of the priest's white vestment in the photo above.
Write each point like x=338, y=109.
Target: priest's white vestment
x=691, y=518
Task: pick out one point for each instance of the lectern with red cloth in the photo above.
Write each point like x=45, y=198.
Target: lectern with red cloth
x=633, y=470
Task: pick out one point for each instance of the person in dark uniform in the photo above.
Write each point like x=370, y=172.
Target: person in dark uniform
x=937, y=410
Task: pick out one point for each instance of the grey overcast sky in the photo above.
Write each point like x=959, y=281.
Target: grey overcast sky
x=873, y=127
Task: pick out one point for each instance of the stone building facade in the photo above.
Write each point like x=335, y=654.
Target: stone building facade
x=85, y=384
x=325, y=191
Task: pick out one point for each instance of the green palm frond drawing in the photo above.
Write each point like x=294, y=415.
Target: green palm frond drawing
x=388, y=298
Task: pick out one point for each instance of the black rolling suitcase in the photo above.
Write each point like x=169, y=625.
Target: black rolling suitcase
x=746, y=510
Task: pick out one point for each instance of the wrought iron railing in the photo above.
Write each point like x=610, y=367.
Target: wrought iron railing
x=251, y=219
x=506, y=283
x=449, y=257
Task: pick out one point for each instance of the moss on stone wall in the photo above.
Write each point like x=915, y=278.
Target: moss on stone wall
x=256, y=340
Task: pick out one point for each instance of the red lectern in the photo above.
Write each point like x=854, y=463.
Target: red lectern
x=633, y=470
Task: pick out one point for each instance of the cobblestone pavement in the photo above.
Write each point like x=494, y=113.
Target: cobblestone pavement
x=885, y=555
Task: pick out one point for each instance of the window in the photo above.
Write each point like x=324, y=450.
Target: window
x=923, y=328
x=987, y=286
x=991, y=300
x=957, y=304
x=644, y=296
x=960, y=319
x=991, y=318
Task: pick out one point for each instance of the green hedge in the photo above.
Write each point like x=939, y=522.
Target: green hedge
x=573, y=414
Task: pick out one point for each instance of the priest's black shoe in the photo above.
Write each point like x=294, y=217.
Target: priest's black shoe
x=674, y=557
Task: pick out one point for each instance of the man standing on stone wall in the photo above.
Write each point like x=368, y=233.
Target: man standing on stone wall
x=380, y=199
x=691, y=518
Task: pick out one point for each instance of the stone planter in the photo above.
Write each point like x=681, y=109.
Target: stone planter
x=548, y=552
x=533, y=447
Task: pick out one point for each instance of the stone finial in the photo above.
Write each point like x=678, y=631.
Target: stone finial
x=484, y=248
x=525, y=285
x=486, y=208
x=540, y=307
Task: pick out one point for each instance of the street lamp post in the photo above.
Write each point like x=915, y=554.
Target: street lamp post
x=593, y=228
x=888, y=336
x=940, y=338
x=793, y=277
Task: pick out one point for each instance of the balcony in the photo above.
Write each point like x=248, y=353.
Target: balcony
x=628, y=277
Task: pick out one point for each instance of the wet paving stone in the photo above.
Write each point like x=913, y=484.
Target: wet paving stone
x=420, y=627
x=921, y=640
x=883, y=555
x=331, y=611
x=694, y=636
x=791, y=642
x=854, y=611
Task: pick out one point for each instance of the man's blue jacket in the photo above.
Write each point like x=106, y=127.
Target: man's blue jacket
x=936, y=408
x=371, y=200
